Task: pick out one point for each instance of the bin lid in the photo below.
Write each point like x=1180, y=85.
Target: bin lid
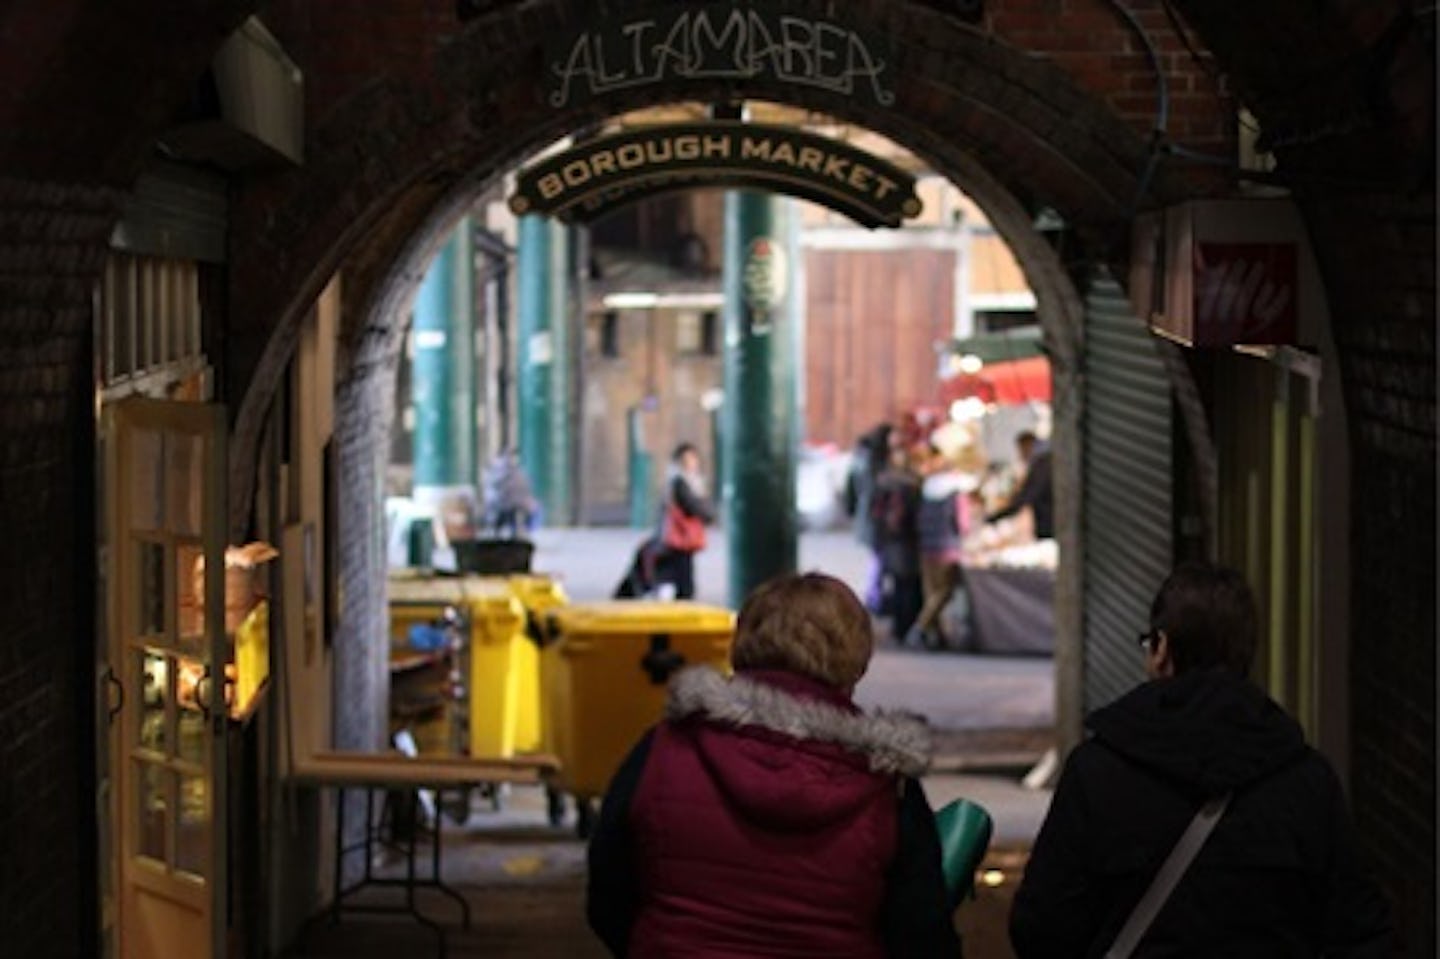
x=491, y=598
x=538, y=589
x=430, y=589
x=628, y=617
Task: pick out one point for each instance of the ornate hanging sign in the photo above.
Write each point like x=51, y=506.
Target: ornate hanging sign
x=764, y=282
x=588, y=181
x=725, y=41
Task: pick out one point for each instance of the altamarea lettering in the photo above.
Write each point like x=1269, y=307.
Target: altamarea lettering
x=718, y=41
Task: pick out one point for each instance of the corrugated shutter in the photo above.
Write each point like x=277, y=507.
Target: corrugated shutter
x=1127, y=513
x=175, y=212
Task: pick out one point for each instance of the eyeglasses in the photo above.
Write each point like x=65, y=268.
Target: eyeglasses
x=1147, y=639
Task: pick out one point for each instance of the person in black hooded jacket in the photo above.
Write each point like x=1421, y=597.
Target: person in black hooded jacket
x=1279, y=875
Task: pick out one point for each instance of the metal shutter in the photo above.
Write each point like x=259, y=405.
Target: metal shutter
x=1127, y=504
x=175, y=212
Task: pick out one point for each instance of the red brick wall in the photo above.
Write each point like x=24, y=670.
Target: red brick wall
x=85, y=88
x=51, y=246
x=1347, y=100
x=1383, y=303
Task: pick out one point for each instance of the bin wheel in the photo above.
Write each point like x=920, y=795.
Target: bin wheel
x=457, y=806
x=586, y=812
x=554, y=806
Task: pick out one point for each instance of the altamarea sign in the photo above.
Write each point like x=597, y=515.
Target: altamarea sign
x=590, y=180
x=718, y=41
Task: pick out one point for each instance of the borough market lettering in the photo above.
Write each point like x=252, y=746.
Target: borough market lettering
x=596, y=176
x=717, y=41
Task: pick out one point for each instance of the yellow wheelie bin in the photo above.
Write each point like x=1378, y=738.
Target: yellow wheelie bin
x=605, y=669
x=419, y=600
x=503, y=666
x=502, y=676
x=539, y=594
x=439, y=726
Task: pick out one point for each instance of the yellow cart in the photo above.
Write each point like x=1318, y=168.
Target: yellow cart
x=605, y=669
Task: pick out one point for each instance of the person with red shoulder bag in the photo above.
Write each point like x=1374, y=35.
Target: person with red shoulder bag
x=684, y=515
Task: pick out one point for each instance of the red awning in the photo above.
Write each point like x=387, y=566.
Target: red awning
x=1010, y=383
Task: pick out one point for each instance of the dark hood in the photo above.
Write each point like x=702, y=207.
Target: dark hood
x=1209, y=729
x=790, y=753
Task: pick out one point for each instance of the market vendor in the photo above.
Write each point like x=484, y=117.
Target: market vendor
x=1035, y=490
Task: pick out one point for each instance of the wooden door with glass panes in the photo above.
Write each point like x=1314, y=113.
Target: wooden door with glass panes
x=167, y=652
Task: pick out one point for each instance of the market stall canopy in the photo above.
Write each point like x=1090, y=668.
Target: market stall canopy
x=1012, y=344
x=1013, y=382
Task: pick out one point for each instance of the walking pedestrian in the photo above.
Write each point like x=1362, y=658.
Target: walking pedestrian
x=867, y=462
x=767, y=815
x=895, y=508
x=942, y=519
x=1277, y=876
x=685, y=512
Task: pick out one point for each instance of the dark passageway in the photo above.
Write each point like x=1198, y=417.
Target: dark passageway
x=217, y=221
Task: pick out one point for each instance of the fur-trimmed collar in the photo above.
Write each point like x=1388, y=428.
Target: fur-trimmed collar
x=891, y=742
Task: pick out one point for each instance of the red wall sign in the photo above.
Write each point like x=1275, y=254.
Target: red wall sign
x=1245, y=293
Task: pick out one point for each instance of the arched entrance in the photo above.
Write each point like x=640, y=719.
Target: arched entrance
x=1012, y=131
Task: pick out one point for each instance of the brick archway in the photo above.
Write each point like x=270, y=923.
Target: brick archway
x=390, y=154
x=1013, y=131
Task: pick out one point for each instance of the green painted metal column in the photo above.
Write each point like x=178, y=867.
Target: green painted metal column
x=542, y=382
x=443, y=374
x=642, y=494
x=760, y=421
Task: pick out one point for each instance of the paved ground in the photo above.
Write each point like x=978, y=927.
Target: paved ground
x=525, y=881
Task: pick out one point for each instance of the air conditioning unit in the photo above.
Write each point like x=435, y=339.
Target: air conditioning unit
x=252, y=111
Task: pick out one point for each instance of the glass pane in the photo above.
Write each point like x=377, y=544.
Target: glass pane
x=191, y=718
x=190, y=593
x=150, y=585
x=192, y=833
x=154, y=692
x=184, y=483
x=147, y=490
x=154, y=787
x=188, y=686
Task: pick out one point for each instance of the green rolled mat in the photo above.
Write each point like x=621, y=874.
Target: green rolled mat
x=964, y=829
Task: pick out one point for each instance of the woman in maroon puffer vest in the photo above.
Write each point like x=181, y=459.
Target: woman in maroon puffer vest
x=767, y=815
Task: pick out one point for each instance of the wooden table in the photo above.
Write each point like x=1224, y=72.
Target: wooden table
x=385, y=772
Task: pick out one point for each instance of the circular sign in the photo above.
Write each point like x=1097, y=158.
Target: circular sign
x=766, y=276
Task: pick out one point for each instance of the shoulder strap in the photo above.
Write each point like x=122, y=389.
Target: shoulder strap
x=1166, y=879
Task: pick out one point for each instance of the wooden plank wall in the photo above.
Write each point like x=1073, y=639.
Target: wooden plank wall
x=872, y=319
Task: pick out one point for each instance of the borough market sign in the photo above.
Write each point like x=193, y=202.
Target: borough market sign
x=726, y=41
x=589, y=180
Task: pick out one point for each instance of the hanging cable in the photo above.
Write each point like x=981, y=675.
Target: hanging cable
x=1162, y=104
x=1206, y=66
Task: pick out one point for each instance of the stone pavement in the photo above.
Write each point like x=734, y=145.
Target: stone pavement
x=525, y=885
x=525, y=880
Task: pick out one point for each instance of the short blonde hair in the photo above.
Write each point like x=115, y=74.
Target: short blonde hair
x=806, y=623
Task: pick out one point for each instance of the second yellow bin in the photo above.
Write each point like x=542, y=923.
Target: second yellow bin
x=605, y=670
x=539, y=594
x=503, y=669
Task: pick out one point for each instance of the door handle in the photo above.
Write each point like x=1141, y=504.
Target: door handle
x=113, y=682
